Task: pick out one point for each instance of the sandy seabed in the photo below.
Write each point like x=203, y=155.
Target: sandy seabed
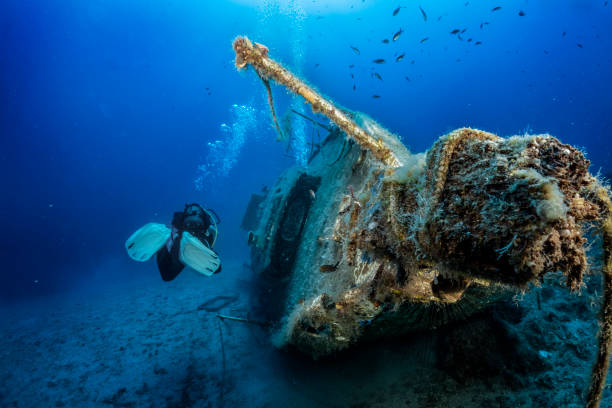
x=160, y=344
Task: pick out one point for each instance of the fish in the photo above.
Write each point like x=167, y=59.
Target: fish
x=356, y=50
x=354, y=87
x=460, y=37
x=377, y=75
x=469, y=40
x=563, y=34
x=477, y=43
x=407, y=79
x=424, y=39
x=455, y=31
x=464, y=30
x=312, y=194
x=375, y=96
x=423, y=13
x=329, y=268
x=353, y=76
x=521, y=13
x=578, y=45
x=397, y=10
x=385, y=41
x=496, y=8
x=316, y=65
x=399, y=57
x=379, y=61
x=352, y=66
x=397, y=35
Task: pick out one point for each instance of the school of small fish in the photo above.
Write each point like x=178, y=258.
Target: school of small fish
x=456, y=32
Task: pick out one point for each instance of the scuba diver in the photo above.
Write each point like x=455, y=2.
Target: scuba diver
x=187, y=242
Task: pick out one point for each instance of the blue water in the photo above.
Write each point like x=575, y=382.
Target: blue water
x=116, y=113
x=106, y=116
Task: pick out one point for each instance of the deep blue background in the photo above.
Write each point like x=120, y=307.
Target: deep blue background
x=105, y=116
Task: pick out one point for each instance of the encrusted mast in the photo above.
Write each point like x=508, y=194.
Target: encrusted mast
x=380, y=241
x=256, y=55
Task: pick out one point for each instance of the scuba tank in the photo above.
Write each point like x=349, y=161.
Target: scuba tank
x=201, y=223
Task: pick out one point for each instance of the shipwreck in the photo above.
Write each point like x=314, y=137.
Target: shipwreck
x=371, y=240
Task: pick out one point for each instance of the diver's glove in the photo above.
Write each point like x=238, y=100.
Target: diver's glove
x=198, y=256
x=146, y=241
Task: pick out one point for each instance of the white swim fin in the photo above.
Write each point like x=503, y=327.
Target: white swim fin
x=145, y=242
x=198, y=256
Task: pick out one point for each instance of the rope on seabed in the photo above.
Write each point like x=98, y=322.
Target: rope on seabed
x=243, y=320
x=223, y=357
x=239, y=319
x=602, y=363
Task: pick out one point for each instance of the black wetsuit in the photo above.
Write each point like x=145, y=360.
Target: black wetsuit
x=169, y=263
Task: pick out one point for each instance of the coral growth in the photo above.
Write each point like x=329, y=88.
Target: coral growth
x=507, y=210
